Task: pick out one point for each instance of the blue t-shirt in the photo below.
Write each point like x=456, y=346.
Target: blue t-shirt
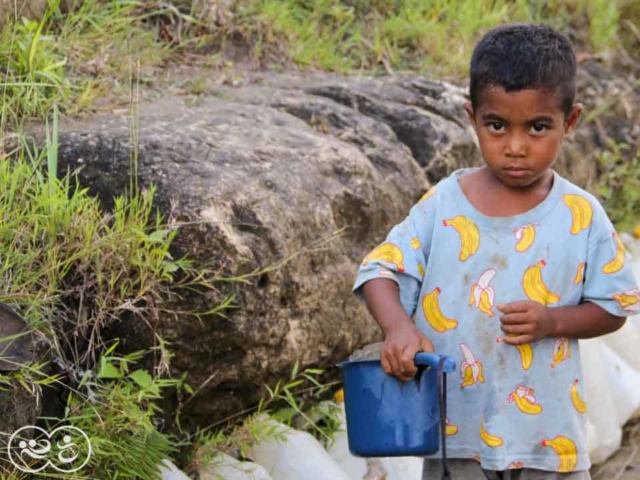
x=508, y=406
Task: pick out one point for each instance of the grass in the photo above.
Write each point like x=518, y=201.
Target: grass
x=71, y=269
x=79, y=58
x=435, y=36
x=74, y=59
x=618, y=185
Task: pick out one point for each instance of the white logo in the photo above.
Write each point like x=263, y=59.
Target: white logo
x=32, y=449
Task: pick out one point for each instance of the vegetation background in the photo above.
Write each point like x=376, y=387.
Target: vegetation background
x=71, y=267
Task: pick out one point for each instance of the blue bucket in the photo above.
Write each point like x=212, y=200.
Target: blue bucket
x=387, y=417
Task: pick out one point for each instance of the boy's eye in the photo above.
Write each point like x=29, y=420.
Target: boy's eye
x=495, y=126
x=539, y=128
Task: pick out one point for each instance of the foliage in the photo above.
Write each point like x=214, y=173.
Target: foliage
x=71, y=269
x=295, y=402
x=619, y=185
x=116, y=408
x=72, y=58
x=435, y=36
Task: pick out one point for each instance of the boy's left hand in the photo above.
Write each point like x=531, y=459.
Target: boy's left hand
x=525, y=322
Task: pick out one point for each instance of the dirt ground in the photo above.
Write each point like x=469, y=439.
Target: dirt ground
x=625, y=463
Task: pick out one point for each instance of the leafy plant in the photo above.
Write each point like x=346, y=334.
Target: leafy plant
x=294, y=402
x=115, y=406
x=619, y=185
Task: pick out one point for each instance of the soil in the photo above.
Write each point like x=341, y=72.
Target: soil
x=625, y=463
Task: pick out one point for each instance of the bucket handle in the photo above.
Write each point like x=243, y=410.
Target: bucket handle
x=423, y=359
x=444, y=365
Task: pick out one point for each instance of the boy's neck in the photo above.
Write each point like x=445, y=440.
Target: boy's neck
x=495, y=199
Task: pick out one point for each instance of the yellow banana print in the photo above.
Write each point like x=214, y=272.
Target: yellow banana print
x=525, y=350
x=629, y=300
x=482, y=293
x=428, y=195
x=488, y=439
x=415, y=243
x=578, y=403
x=524, y=400
x=420, y=269
x=469, y=235
x=579, y=274
x=535, y=288
x=566, y=450
x=471, y=369
x=526, y=355
x=617, y=263
x=581, y=212
x=525, y=236
x=561, y=351
x=450, y=429
x=433, y=314
x=387, y=252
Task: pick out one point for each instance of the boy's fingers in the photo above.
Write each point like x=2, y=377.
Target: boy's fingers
x=516, y=329
x=386, y=365
x=426, y=345
x=519, y=340
x=394, y=364
x=408, y=365
x=514, y=307
x=514, y=318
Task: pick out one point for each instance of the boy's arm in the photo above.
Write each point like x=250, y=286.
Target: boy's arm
x=526, y=321
x=402, y=338
x=608, y=293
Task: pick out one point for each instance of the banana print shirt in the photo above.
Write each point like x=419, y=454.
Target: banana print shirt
x=508, y=407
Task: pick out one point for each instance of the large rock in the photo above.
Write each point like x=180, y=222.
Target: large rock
x=304, y=172
x=31, y=9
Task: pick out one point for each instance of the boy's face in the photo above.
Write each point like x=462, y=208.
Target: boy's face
x=520, y=132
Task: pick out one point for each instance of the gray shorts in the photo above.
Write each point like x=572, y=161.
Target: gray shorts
x=463, y=469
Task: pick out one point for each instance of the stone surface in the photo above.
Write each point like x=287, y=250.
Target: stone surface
x=302, y=171
x=31, y=9
x=168, y=471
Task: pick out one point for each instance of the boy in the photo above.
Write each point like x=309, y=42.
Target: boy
x=505, y=267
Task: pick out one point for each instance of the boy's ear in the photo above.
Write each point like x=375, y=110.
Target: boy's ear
x=572, y=118
x=470, y=113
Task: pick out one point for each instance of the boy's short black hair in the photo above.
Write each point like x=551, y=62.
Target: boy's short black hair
x=524, y=56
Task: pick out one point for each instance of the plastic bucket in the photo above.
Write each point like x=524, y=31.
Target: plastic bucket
x=387, y=417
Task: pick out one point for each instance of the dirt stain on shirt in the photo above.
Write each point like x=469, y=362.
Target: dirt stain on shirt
x=500, y=261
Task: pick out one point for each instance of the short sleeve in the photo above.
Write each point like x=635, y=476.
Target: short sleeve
x=609, y=280
x=402, y=257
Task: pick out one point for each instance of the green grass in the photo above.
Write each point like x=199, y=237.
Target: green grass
x=434, y=36
x=71, y=268
x=618, y=185
x=73, y=59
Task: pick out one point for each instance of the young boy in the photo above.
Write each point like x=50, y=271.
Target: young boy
x=504, y=267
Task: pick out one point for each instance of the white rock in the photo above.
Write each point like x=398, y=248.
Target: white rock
x=354, y=467
x=298, y=456
x=225, y=467
x=168, y=471
x=403, y=468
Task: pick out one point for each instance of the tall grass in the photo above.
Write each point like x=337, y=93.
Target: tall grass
x=71, y=59
x=434, y=36
x=71, y=268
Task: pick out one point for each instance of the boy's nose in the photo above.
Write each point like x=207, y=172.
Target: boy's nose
x=516, y=146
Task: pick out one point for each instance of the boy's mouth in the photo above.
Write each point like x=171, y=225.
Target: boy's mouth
x=516, y=172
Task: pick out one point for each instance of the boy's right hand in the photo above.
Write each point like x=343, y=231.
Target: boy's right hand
x=402, y=343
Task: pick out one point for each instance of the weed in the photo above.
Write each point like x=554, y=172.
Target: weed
x=294, y=402
x=619, y=185
x=437, y=35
